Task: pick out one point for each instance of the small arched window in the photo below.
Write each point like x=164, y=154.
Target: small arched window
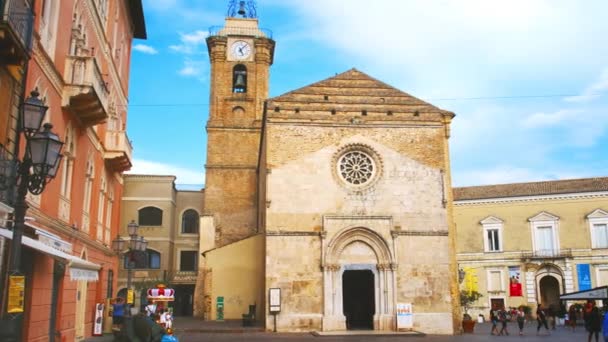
x=190, y=222
x=239, y=79
x=150, y=216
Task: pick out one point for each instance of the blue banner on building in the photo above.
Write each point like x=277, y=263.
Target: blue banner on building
x=584, y=277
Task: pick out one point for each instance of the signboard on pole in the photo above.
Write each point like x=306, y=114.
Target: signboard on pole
x=130, y=296
x=16, y=294
x=275, y=300
x=220, y=309
x=405, y=319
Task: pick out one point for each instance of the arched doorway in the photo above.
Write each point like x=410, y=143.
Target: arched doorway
x=549, y=291
x=359, y=281
x=549, y=285
x=358, y=304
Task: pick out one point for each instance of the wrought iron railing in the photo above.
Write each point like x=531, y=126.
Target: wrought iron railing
x=18, y=15
x=240, y=31
x=547, y=254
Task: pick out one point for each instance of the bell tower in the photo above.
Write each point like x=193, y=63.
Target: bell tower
x=240, y=54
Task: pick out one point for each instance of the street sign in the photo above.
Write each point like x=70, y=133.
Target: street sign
x=220, y=309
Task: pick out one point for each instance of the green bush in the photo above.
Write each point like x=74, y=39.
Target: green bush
x=467, y=298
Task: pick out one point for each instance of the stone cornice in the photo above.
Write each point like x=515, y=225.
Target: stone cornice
x=582, y=195
x=47, y=66
x=351, y=122
x=395, y=233
x=291, y=233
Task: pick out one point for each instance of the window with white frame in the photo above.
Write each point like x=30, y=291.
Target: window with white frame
x=602, y=276
x=492, y=234
x=495, y=281
x=88, y=190
x=48, y=25
x=544, y=228
x=69, y=154
x=100, y=208
x=598, y=224
x=110, y=198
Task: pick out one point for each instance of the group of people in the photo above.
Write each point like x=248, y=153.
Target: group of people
x=163, y=316
x=503, y=316
x=594, y=322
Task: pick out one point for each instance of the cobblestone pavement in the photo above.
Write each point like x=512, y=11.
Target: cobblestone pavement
x=482, y=333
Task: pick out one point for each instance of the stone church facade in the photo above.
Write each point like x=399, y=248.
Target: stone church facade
x=338, y=194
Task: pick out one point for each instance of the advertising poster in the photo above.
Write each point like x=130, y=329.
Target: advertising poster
x=515, y=281
x=405, y=319
x=584, y=277
x=98, y=323
x=16, y=291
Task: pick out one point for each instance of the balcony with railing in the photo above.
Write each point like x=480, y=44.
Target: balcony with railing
x=118, y=154
x=85, y=93
x=16, y=22
x=546, y=254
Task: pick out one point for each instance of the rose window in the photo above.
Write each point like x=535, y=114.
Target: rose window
x=356, y=167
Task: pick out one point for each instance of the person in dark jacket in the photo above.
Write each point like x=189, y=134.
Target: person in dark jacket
x=541, y=317
x=594, y=323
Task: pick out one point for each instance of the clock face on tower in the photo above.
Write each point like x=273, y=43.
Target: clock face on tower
x=240, y=50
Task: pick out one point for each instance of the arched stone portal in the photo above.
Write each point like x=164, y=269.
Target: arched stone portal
x=549, y=281
x=358, y=255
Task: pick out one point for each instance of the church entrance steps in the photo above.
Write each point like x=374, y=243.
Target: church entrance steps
x=371, y=333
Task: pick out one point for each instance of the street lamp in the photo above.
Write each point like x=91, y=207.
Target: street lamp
x=39, y=165
x=136, y=244
x=461, y=275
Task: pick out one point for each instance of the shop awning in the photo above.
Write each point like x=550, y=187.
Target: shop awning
x=80, y=269
x=593, y=294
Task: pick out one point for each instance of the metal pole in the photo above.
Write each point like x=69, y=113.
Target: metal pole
x=129, y=267
x=15, y=321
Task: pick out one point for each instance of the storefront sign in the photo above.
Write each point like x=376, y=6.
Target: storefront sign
x=405, y=319
x=16, y=294
x=584, y=277
x=515, y=281
x=275, y=300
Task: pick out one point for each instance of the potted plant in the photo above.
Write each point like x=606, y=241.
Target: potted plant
x=466, y=299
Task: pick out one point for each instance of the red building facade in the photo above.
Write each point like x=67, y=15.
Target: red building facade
x=79, y=63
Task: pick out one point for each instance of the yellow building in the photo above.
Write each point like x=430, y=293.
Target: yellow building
x=169, y=220
x=527, y=243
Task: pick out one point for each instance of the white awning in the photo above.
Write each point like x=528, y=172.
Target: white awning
x=80, y=269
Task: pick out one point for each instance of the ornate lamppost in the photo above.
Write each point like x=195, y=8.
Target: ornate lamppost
x=136, y=244
x=39, y=165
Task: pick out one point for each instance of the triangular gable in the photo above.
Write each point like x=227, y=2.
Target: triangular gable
x=598, y=213
x=543, y=216
x=354, y=87
x=491, y=220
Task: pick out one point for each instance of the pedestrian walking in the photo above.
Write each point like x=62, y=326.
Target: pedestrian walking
x=521, y=319
x=118, y=312
x=503, y=320
x=494, y=320
x=572, y=317
x=594, y=323
x=541, y=317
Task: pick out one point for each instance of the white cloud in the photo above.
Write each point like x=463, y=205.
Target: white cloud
x=184, y=176
x=552, y=119
x=145, y=49
x=194, y=68
x=191, y=43
x=593, y=91
x=504, y=174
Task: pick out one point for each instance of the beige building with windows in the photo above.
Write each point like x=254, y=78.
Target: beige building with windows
x=527, y=243
x=169, y=220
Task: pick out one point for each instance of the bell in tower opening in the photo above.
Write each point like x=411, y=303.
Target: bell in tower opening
x=245, y=9
x=239, y=79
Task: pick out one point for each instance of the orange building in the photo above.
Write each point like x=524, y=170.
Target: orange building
x=79, y=62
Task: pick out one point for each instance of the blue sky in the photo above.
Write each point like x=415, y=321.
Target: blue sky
x=528, y=80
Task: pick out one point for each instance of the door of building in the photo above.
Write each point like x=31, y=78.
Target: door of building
x=549, y=292
x=497, y=303
x=81, y=302
x=358, y=299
